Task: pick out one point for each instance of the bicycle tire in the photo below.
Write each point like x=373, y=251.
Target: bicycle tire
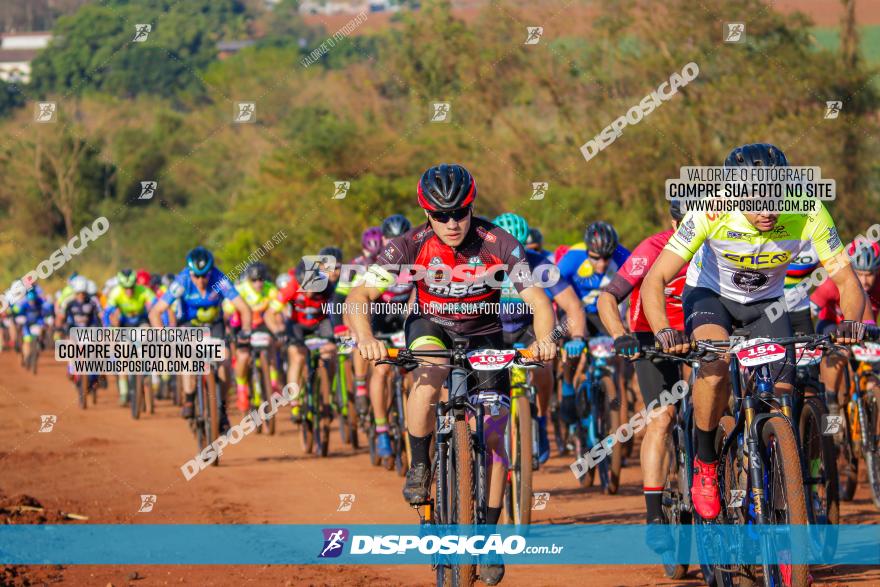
x=673, y=498
x=871, y=434
x=212, y=427
x=134, y=396
x=93, y=389
x=823, y=502
x=34, y=356
x=201, y=411
x=733, y=477
x=777, y=434
x=266, y=386
x=307, y=413
x=462, y=494
x=404, y=457
x=614, y=415
x=149, y=400
x=847, y=462
x=521, y=461
x=322, y=429
x=81, y=384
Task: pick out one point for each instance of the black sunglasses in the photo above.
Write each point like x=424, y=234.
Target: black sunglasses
x=598, y=257
x=444, y=217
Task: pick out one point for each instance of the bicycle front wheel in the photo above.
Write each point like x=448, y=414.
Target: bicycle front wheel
x=823, y=503
x=871, y=434
x=521, y=461
x=785, y=497
x=461, y=484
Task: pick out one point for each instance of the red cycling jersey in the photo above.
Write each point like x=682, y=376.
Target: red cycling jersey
x=827, y=300
x=629, y=279
x=465, y=302
x=306, y=311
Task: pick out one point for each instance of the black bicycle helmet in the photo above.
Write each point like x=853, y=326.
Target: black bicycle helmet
x=395, y=225
x=334, y=252
x=257, y=271
x=200, y=260
x=756, y=155
x=675, y=210
x=446, y=187
x=601, y=239
x=535, y=237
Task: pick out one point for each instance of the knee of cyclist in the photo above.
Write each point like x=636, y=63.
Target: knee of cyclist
x=660, y=421
x=714, y=373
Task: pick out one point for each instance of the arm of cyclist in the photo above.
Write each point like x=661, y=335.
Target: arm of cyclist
x=668, y=265
x=155, y=314
x=607, y=304
x=852, y=299
x=544, y=319
x=575, y=321
x=359, y=321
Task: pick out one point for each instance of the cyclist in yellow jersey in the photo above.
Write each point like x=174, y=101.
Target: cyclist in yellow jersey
x=127, y=305
x=744, y=261
x=259, y=293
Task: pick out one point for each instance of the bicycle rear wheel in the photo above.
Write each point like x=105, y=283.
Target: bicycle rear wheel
x=674, y=491
x=521, y=461
x=847, y=461
x=136, y=395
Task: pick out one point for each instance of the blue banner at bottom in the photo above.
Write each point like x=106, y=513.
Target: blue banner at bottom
x=415, y=544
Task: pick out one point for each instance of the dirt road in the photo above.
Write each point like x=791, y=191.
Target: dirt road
x=98, y=463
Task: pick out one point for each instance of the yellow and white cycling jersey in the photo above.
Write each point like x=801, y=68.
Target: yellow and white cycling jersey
x=743, y=264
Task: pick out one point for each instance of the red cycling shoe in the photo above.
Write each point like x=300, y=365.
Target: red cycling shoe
x=704, y=490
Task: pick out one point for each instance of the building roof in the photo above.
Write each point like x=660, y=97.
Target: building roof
x=17, y=55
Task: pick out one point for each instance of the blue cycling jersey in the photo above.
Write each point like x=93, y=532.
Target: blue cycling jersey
x=32, y=311
x=515, y=314
x=195, y=307
x=575, y=268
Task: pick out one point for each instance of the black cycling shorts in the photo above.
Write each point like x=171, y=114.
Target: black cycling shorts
x=654, y=375
x=386, y=323
x=704, y=306
x=801, y=322
x=297, y=333
x=489, y=384
x=524, y=336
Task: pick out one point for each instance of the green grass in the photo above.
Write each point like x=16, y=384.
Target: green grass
x=829, y=38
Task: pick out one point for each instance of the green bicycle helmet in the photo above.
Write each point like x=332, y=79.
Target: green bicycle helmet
x=515, y=225
x=126, y=278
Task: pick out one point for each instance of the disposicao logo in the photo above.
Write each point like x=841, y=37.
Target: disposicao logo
x=334, y=541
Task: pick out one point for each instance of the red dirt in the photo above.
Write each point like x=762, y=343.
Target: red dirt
x=98, y=462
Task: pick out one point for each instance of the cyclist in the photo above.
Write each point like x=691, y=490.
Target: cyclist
x=733, y=288
x=451, y=237
x=30, y=315
x=396, y=297
x=258, y=292
x=127, y=305
x=200, y=289
x=371, y=242
x=308, y=316
x=799, y=305
x=588, y=267
x=535, y=242
x=516, y=319
x=653, y=376
x=82, y=310
x=865, y=261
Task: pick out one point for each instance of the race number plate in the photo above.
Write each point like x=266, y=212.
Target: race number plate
x=760, y=354
x=602, y=347
x=398, y=340
x=260, y=339
x=807, y=357
x=490, y=359
x=867, y=352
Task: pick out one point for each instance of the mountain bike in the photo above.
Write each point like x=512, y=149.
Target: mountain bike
x=459, y=466
x=206, y=420
x=600, y=411
x=760, y=475
x=343, y=400
x=261, y=382
x=522, y=445
x=85, y=385
x=396, y=414
x=316, y=412
x=863, y=411
x=678, y=462
x=33, y=334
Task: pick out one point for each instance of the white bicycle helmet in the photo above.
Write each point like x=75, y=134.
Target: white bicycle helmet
x=79, y=284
